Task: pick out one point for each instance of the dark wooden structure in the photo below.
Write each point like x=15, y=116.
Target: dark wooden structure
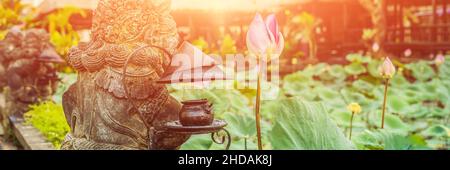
x=343, y=22
x=428, y=35
x=419, y=25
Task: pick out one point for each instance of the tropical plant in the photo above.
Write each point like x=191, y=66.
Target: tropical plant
x=303, y=27
x=375, y=8
x=418, y=107
x=62, y=34
x=48, y=118
x=13, y=12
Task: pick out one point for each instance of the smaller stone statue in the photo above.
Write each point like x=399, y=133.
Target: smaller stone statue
x=27, y=69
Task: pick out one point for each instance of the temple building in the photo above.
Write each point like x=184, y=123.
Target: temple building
x=410, y=24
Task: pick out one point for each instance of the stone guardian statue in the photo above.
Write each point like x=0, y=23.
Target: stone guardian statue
x=116, y=103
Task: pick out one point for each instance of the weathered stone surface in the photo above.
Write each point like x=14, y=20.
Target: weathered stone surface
x=29, y=137
x=116, y=103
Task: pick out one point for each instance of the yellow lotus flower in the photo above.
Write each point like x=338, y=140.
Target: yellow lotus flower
x=354, y=108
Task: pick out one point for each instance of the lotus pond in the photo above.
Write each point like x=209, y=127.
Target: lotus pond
x=310, y=109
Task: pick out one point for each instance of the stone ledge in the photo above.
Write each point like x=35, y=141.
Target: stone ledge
x=28, y=136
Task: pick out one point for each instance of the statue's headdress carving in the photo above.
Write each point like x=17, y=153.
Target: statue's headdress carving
x=132, y=41
x=122, y=26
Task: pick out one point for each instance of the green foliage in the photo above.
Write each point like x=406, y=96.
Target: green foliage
x=305, y=125
x=66, y=80
x=62, y=35
x=202, y=44
x=386, y=140
x=421, y=70
x=418, y=110
x=302, y=28
x=228, y=45
x=13, y=12
x=368, y=34
x=415, y=104
x=49, y=119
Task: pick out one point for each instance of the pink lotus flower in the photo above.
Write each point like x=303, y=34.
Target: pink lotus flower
x=264, y=37
x=387, y=69
x=440, y=59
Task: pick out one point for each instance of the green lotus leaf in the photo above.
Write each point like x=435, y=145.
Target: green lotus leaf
x=351, y=96
x=363, y=86
x=326, y=93
x=358, y=58
x=342, y=118
x=444, y=70
x=438, y=112
x=198, y=142
x=331, y=97
x=373, y=68
x=399, y=81
x=240, y=125
x=421, y=70
x=335, y=73
x=305, y=125
x=355, y=69
x=338, y=72
x=394, y=123
x=298, y=77
x=397, y=104
x=416, y=111
x=436, y=131
x=387, y=140
x=419, y=125
x=412, y=96
x=314, y=70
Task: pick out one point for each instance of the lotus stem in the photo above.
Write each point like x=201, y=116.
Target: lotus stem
x=245, y=143
x=257, y=109
x=384, y=102
x=351, y=125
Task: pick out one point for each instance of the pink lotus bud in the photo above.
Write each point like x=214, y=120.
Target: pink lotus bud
x=375, y=47
x=408, y=53
x=264, y=37
x=440, y=59
x=387, y=69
